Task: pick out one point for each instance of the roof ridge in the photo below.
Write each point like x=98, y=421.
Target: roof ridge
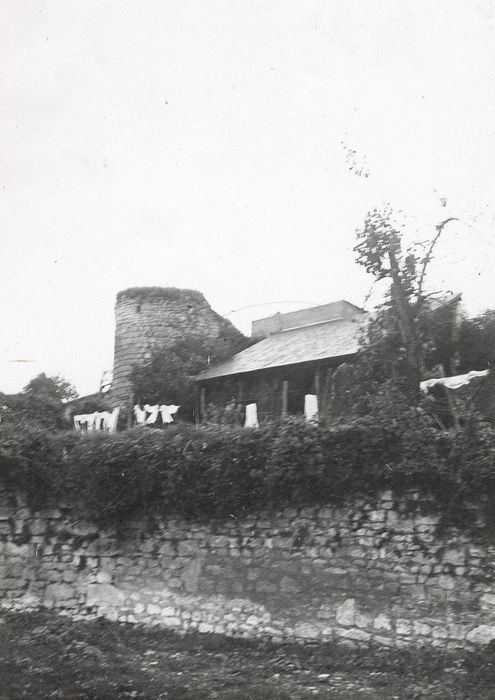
x=314, y=323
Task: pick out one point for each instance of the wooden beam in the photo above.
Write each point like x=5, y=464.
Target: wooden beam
x=318, y=387
x=285, y=398
x=240, y=391
x=130, y=414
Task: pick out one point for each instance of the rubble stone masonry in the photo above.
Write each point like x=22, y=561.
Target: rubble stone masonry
x=149, y=321
x=365, y=572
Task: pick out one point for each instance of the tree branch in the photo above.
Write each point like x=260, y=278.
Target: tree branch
x=439, y=227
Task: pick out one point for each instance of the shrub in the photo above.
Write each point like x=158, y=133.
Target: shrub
x=221, y=471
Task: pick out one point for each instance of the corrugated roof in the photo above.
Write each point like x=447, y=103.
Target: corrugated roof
x=318, y=341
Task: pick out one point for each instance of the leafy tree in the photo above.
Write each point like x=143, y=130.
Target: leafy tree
x=41, y=402
x=476, y=345
x=169, y=375
x=54, y=388
x=401, y=325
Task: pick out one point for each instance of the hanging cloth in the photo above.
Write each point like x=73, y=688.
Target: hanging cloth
x=456, y=382
x=311, y=407
x=153, y=411
x=140, y=415
x=101, y=420
x=85, y=419
x=112, y=419
x=167, y=412
x=251, y=416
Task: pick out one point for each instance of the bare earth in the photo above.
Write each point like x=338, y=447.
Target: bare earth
x=43, y=655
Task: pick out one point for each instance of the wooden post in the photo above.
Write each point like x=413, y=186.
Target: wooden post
x=327, y=390
x=451, y=403
x=130, y=412
x=318, y=388
x=240, y=391
x=453, y=411
x=285, y=398
x=202, y=403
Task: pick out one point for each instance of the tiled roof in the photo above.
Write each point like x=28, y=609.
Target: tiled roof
x=318, y=341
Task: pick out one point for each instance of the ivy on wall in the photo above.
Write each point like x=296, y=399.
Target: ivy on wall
x=222, y=472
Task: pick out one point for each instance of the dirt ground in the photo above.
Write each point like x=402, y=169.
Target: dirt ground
x=43, y=655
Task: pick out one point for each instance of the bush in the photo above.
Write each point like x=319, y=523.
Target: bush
x=220, y=471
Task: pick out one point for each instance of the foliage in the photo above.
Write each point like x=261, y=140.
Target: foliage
x=401, y=320
x=41, y=402
x=207, y=472
x=231, y=414
x=169, y=376
x=32, y=460
x=166, y=293
x=88, y=404
x=476, y=344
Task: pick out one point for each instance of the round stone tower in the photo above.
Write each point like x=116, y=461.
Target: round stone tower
x=155, y=317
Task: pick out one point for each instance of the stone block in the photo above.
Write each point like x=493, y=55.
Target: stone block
x=325, y=612
x=382, y=622
x=254, y=621
x=353, y=634
x=69, y=576
x=483, y=634
x=172, y=621
x=446, y=582
x=59, y=592
x=378, y=516
x=205, y=628
x=306, y=630
x=265, y=587
x=103, y=577
x=362, y=621
x=104, y=594
x=168, y=611
x=454, y=555
x=421, y=629
x=439, y=632
x=456, y=632
x=403, y=627
x=289, y=585
x=153, y=609
x=346, y=612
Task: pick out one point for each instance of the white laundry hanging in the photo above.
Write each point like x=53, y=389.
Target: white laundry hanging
x=153, y=411
x=167, y=412
x=85, y=419
x=311, y=407
x=112, y=420
x=100, y=420
x=454, y=383
x=140, y=414
x=251, y=416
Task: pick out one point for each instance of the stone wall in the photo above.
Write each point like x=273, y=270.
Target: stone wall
x=366, y=572
x=147, y=318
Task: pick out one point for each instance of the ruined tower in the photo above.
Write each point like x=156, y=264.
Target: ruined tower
x=155, y=317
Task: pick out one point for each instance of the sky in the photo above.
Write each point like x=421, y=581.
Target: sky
x=206, y=145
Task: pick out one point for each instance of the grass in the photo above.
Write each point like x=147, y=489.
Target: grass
x=43, y=655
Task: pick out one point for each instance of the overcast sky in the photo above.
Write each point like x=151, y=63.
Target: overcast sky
x=200, y=144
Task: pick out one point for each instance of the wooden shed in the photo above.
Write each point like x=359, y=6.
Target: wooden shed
x=296, y=356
